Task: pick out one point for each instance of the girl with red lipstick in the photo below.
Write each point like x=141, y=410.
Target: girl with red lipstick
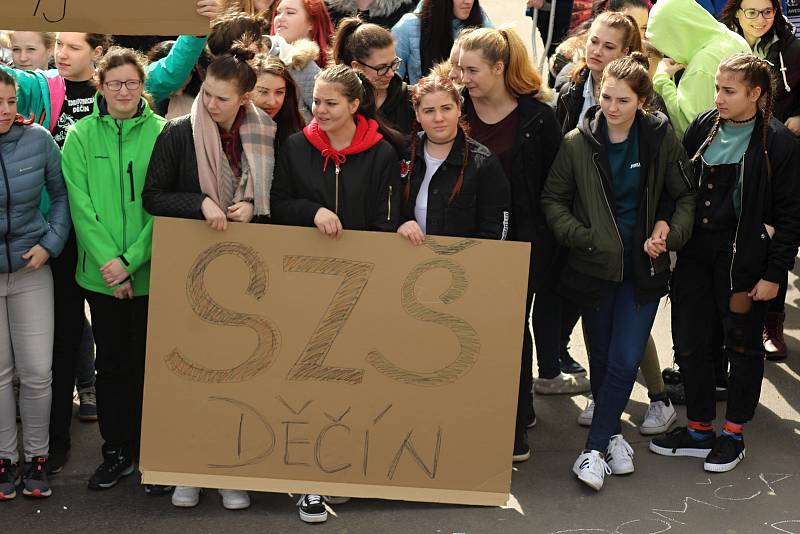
x=276, y=94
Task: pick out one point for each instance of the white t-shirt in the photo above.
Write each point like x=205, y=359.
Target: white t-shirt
x=421, y=208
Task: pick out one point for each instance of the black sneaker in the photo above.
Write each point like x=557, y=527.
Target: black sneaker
x=157, y=490
x=676, y=393
x=56, y=460
x=10, y=476
x=671, y=375
x=678, y=442
x=531, y=421
x=35, y=483
x=522, y=451
x=312, y=509
x=725, y=455
x=569, y=365
x=115, y=466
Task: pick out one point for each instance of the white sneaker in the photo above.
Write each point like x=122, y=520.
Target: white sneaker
x=591, y=469
x=658, y=419
x=234, y=499
x=619, y=456
x=562, y=384
x=185, y=496
x=586, y=416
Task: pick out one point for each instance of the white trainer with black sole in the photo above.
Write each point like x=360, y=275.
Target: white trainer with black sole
x=591, y=469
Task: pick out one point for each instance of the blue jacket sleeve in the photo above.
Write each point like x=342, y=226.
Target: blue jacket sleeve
x=59, y=217
x=168, y=75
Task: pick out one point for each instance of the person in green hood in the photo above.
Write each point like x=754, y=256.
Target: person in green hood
x=691, y=39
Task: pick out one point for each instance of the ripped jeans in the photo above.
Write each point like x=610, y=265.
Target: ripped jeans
x=701, y=291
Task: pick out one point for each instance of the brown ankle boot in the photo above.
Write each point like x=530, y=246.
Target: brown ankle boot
x=774, y=345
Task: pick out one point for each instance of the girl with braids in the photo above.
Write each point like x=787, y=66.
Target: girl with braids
x=505, y=105
x=771, y=36
x=617, y=198
x=215, y=164
x=746, y=234
x=370, y=49
x=422, y=36
x=29, y=162
x=276, y=94
x=467, y=197
x=340, y=173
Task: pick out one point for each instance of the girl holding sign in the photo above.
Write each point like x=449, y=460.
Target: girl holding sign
x=30, y=162
x=215, y=164
x=617, y=181
x=339, y=173
x=113, y=235
x=453, y=186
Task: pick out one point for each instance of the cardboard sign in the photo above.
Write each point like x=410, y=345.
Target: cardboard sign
x=142, y=17
x=282, y=360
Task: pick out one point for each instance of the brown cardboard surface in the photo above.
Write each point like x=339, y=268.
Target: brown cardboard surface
x=281, y=360
x=142, y=17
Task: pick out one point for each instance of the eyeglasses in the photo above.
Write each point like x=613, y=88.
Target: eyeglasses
x=384, y=70
x=751, y=13
x=130, y=85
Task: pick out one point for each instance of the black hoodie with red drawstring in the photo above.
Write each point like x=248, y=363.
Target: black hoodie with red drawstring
x=360, y=183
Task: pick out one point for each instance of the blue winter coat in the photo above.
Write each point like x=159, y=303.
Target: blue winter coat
x=30, y=161
x=406, y=33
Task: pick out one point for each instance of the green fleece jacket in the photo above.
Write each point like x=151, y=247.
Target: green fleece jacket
x=687, y=33
x=104, y=162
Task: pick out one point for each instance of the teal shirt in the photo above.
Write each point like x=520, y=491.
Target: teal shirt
x=728, y=147
x=623, y=158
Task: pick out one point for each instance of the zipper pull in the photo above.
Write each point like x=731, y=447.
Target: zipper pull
x=652, y=271
x=336, y=172
x=389, y=213
x=734, y=247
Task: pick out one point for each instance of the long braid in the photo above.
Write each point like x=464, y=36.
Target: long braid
x=414, y=143
x=460, y=181
x=708, y=141
x=768, y=98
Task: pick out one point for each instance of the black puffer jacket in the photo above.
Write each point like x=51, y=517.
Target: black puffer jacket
x=365, y=195
x=772, y=199
x=535, y=148
x=172, y=188
x=396, y=109
x=570, y=102
x=480, y=209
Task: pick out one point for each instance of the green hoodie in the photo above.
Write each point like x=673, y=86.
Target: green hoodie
x=104, y=162
x=687, y=33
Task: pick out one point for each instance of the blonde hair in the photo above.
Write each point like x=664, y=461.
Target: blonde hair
x=505, y=46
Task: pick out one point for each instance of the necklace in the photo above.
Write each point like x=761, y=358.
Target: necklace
x=429, y=140
x=741, y=122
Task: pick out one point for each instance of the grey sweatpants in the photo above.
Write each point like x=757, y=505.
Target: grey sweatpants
x=26, y=343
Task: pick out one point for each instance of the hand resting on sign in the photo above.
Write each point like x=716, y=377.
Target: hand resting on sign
x=328, y=223
x=412, y=231
x=214, y=215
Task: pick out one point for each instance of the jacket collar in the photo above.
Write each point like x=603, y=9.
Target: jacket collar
x=652, y=129
x=396, y=94
x=528, y=107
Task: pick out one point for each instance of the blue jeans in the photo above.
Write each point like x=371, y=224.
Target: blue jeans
x=616, y=334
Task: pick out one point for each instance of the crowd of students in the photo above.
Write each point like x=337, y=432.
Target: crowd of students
x=659, y=130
